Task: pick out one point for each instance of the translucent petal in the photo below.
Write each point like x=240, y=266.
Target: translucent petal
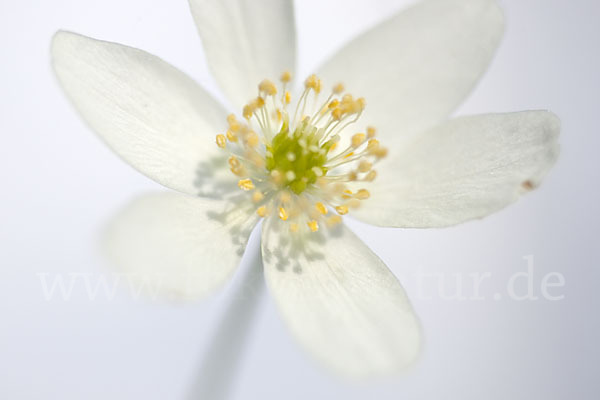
x=464, y=169
x=340, y=300
x=245, y=42
x=151, y=114
x=415, y=68
x=177, y=246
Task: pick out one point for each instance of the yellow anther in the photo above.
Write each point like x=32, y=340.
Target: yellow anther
x=286, y=76
x=342, y=210
x=333, y=103
x=294, y=227
x=252, y=139
x=267, y=87
x=352, y=176
x=371, y=176
x=231, y=119
x=338, y=88
x=288, y=97
x=221, y=141
x=314, y=83
x=358, y=139
x=246, y=184
x=380, y=152
x=364, y=166
x=333, y=146
x=362, y=194
x=349, y=154
x=236, y=167
x=234, y=126
x=283, y=215
x=248, y=110
x=261, y=211
x=239, y=171
x=347, y=98
x=347, y=194
x=321, y=208
x=277, y=115
x=353, y=203
x=347, y=108
x=317, y=87
x=313, y=225
x=371, y=131
x=285, y=197
x=257, y=196
x=337, y=113
x=334, y=220
x=259, y=102
x=359, y=105
x=233, y=162
x=372, y=145
x=231, y=136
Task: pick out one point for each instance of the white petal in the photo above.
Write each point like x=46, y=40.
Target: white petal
x=177, y=245
x=245, y=42
x=417, y=67
x=464, y=169
x=151, y=114
x=340, y=301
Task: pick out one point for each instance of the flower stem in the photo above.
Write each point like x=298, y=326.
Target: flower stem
x=220, y=364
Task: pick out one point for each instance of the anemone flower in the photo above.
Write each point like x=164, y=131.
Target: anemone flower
x=368, y=135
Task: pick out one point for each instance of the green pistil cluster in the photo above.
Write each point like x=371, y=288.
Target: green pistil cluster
x=298, y=158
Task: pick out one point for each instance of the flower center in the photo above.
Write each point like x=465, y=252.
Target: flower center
x=293, y=167
x=299, y=156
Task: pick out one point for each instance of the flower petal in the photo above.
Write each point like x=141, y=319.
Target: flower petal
x=177, y=245
x=340, y=301
x=245, y=42
x=151, y=114
x=417, y=67
x=464, y=169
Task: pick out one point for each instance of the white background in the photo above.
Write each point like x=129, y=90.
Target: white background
x=61, y=185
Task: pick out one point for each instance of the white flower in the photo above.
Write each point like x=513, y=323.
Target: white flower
x=302, y=161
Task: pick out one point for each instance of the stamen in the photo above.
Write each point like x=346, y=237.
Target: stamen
x=364, y=166
x=342, y=210
x=371, y=132
x=321, y=208
x=358, y=139
x=246, y=184
x=286, y=76
x=221, y=141
x=362, y=194
x=334, y=220
x=283, y=214
x=338, y=88
x=371, y=176
x=257, y=196
x=293, y=167
x=314, y=83
x=285, y=197
x=267, y=87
